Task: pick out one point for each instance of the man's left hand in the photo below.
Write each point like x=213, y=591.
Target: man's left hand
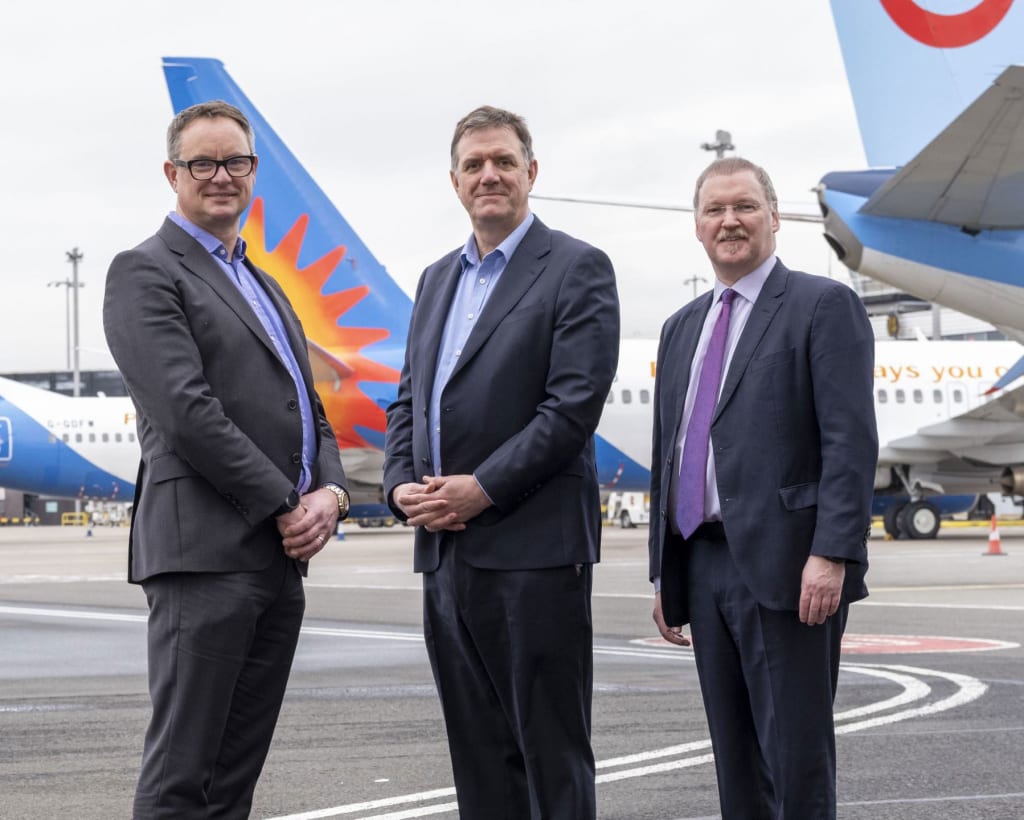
x=306, y=537
x=464, y=500
x=821, y=587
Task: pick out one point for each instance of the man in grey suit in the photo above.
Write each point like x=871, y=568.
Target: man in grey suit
x=513, y=345
x=762, y=474
x=240, y=482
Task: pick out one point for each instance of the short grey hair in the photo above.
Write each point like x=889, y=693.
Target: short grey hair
x=734, y=165
x=487, y=116
x=214, y=108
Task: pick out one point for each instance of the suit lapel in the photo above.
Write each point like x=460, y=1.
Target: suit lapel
x=679, y=360
x=447, y=278
x=761, y=314
x=522, y=270
x=198, y=261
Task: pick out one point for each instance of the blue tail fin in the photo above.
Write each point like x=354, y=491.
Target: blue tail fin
x=355, y=315
x=912, y=70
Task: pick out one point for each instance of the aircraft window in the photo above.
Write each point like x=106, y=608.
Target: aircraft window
x=92, y=438
x=958, y=396
x=105, y=438
x=901, y=396
x=78, y=438
x=918, y=397
x=66, y=437
x=937, y=396
x=117, y=437
x=627, y=396
x=645, y=397
x=611, y=397
x=131, y=437
x=883, y=397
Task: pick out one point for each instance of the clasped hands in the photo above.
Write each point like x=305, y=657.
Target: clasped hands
x=307, y=529
x=441, y=502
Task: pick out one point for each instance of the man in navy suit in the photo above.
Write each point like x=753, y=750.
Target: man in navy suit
x=762, y=474
x=513, y=345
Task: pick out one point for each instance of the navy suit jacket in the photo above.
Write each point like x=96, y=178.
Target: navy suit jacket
x=218, y=418
x=793, y=437
x=520, y=408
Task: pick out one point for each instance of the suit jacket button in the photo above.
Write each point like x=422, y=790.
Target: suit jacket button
x=292, y=404
x=296, y=458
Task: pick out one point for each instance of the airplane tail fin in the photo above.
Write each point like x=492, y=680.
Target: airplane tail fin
x=912, y=71
x=302, y=234
x=355, y=315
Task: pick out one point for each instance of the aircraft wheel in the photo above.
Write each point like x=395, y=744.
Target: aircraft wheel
x=890, y=520
x=625, y=522
x=920, y=520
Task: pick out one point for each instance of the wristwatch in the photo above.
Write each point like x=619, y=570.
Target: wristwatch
x=290, y=503
x=343, y=500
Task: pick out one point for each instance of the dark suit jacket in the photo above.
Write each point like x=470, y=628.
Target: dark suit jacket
x=793, y=436
x=218, y=416
x=521, y=406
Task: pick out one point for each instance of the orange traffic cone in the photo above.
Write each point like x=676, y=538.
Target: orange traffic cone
x=994, y=547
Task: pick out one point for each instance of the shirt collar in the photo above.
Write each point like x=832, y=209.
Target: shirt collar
x=210, y=242
x=749, y=286
x=471, y=256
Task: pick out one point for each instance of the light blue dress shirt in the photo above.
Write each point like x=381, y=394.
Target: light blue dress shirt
x=476, y=284
x=262, y=305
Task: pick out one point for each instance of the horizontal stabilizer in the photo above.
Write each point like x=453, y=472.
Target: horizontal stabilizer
x=972, y=174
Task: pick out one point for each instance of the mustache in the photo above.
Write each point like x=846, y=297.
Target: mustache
x=731, y=237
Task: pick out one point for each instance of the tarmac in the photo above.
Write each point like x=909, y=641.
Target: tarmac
x=930, y=712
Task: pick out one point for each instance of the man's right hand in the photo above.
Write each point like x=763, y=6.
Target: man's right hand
x=672, y=634
x=423, y=508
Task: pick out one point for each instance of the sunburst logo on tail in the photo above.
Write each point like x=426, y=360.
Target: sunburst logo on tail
x=348, y=407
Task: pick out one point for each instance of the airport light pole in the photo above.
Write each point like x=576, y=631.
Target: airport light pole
x=74, y=257
x=722, y=143
x=694, y=280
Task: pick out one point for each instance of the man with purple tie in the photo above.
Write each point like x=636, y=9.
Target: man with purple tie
x=762, y=473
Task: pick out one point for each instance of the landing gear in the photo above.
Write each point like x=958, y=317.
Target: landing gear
x=890, y=518
x=919, y=520
x=625, y=521
x=916, y=519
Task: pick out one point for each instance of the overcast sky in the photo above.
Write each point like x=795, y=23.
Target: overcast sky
x=619, y=96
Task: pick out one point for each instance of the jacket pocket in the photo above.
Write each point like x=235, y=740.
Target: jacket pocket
x=799, y=496
x=167, y=466
x=774, y=359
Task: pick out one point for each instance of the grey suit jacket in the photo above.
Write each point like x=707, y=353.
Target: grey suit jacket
x=218, y=417
x=520, y=408
x=793, y=437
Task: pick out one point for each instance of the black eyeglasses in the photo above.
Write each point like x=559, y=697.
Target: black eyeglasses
x=203, y=169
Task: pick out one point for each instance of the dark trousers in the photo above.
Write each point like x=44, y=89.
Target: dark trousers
x=768, y=683
x=220, y=650
x=512, y=656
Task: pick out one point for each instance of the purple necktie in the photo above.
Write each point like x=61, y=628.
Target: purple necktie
x=693, y=472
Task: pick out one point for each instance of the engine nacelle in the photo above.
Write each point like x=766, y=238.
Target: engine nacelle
x=1012, y=480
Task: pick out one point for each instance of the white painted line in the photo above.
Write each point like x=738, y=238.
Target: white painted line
x=911, y=605
x=444, y=808
x=71, y=614
x=383, y=803
x=913, y=690
x=968, y=689
x=956, y=798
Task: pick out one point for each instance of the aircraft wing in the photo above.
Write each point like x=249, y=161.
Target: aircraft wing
x=992, y=433
x=972, y=174
x=326, y=367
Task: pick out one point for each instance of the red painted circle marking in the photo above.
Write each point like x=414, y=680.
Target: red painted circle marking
x=892, y=644
x=947, y=30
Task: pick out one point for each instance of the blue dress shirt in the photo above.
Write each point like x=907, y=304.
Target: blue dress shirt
x=476, y=283
x=263, y=306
